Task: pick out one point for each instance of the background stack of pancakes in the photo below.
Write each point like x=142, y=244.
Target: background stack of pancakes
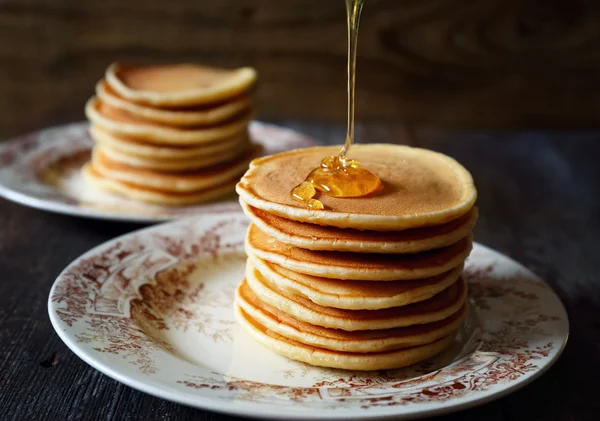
x=172, y=135
x=368, y=283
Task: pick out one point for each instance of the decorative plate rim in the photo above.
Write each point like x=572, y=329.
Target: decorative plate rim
x=260, y=409
x=74, y=209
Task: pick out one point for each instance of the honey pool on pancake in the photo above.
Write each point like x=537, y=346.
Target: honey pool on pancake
x=339, y=176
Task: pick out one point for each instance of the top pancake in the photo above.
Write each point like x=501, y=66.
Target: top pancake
x=182, y=85
x=420, y=188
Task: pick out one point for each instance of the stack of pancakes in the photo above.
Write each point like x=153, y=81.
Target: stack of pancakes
x=368, y=283
x=171, y=135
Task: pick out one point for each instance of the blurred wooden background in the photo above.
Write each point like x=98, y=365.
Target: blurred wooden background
x=445, y=63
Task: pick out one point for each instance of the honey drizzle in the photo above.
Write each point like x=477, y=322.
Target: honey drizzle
x=353, y=10
x=339, y=176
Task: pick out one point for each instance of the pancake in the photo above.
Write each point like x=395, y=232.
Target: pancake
x=437, y=308
x=121, y=123
x=420, y=188
x=199, y=116
x=340, y=340
x=334, y=359
x=136, y=147
x=155, y=196
x=357, y=266
x=318, y=237
x=353, y=295
x=170, y=165
x=171, y=182
x=181, y=85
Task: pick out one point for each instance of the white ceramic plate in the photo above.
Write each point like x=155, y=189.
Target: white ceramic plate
x=42, y=170
x=153, y=310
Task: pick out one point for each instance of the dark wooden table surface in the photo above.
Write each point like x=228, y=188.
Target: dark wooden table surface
x=539, y=199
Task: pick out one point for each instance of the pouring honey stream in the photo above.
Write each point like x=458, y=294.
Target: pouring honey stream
x=339, y=176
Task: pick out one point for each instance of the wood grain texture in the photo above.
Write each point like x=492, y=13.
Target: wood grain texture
x=447, y=63
x=539, y=200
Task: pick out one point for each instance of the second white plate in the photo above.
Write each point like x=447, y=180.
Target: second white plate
x=42, y=170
